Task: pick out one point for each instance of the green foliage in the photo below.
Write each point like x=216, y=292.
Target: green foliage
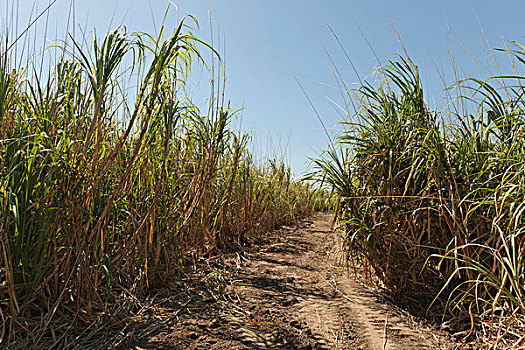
x=103, y=195
x=435, y=208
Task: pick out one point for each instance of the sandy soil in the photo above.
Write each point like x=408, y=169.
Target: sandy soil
x=291, y=291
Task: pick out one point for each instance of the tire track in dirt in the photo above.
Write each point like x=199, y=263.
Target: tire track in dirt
x=341, y=312
x=295, y=293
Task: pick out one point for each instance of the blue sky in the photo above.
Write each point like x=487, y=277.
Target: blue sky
x=269, y=43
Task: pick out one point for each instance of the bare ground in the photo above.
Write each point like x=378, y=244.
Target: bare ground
x=291, y=291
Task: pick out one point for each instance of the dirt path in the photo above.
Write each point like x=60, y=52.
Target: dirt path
x=293, y=293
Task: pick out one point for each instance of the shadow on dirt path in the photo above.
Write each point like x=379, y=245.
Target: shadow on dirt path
x=292, y=292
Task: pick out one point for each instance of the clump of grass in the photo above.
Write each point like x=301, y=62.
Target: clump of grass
x=107, y=191
x=431, y=201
